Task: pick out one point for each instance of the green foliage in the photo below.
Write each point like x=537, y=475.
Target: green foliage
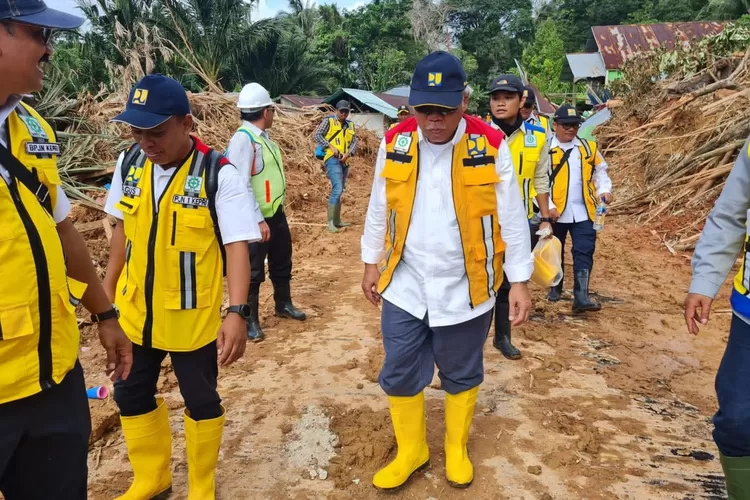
x=543, y=59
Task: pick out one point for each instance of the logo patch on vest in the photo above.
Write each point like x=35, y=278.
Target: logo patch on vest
x=190, y=201
x=42, y=148
x=35, y=128
x=131, y=191
x=477, y=145
x=403, y=143
x=529, y=140
x=193, y=183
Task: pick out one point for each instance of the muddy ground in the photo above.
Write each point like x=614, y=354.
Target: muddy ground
x=614, y=405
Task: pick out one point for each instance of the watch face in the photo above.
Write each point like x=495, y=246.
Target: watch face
x=245, y=311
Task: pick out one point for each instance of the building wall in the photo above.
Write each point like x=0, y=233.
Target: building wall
x=371, y=121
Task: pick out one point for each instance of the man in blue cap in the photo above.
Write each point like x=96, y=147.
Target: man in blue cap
x=401, y=116
x=47, y=271
x=445, y=208
x=183, y=215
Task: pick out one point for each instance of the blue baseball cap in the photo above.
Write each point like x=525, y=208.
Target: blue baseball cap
x=438, y=80
x=153, y=101
x=36, y=13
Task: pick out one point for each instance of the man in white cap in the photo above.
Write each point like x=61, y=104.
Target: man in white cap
x=258, y=160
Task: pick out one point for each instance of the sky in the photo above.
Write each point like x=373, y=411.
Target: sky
x=266, y=8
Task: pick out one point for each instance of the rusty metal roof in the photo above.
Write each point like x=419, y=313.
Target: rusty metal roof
x=302, y=101
x=617, y=44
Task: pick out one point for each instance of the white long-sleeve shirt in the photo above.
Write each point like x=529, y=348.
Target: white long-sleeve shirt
x=431, y=277
x=576, y=211
x=247, y=156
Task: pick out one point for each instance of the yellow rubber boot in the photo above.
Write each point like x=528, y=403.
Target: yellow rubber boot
x=203, y=440
x=149, y=441
x=459, y=410
x=410, y=429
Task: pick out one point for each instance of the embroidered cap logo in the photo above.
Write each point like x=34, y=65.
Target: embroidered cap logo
x=572, y=112
x=140, y=96
x=435, y=80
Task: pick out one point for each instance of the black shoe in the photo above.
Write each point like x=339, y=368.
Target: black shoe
x=502, y=332
x=581, y=300
x=283, y=297
x=254, y=333
x=555, y=293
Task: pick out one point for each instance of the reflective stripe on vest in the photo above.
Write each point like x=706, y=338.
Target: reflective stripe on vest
x=526, y=149
x=269, y=184
x=170, y=290
x=740, y=298
x=560, y=186
x=343, y=139
x=474, y=177
x=38, y=327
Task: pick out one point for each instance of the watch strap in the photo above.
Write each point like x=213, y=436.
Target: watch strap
x=112, y=313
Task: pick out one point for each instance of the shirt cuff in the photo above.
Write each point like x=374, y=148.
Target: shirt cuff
x=704, y=287
x=259, y=217
x=372, y=256
x=517, y=273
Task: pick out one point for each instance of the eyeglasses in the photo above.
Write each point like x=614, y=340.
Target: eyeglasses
x=45, y=34
x=570, y=126
x=428, y=110
x=528, y=106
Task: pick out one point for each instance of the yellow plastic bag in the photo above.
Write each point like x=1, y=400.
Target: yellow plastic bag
x=547, y=263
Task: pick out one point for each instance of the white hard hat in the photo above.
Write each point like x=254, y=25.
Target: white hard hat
x=253, y=96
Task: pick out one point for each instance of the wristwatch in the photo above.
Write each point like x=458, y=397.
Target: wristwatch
x=242, y=309
x=547, y=219
x=113, y=313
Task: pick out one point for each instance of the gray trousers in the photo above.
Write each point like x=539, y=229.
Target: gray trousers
x=413, y=348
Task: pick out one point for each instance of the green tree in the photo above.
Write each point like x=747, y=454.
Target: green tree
x=543, y=59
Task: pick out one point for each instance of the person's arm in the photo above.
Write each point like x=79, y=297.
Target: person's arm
x=602, y=182
x=514, y=227
x=353, y=145
x=80, y=268
x=541, y=185
x=321, y=132
x=720, y=243
x=373, y=239
x=243, y=153
x=236, y=232
x=116, y=260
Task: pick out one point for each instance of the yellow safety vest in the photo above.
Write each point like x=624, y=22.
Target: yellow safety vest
x=171, y=288
x=38, y=328
x=474, y=180
x=560, y=179
x=526, y=149
x=342, y=140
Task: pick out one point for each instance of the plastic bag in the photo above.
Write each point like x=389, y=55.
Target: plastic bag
x=547, y=263
x=320, y=153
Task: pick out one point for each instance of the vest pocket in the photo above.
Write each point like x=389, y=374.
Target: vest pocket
x=480, y=184
x=191, y=232
x=16, y=321
x=129, y=207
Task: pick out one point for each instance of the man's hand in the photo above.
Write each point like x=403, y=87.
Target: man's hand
x=370, y=283
x=520, y=304
x=697, y=311
x=607, y=198
x=554, y=214
x=265, y=231
x=232, y=339
x=335, y=151
x=546, y=229
x=345, y=158
x=118, y=347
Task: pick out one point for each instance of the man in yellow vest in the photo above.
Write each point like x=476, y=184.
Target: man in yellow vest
x=445, y=208
x=258, y=159
x=579, y=181
x=402, y=114
x=47, y=271
x=337, y=136
x=530, y=153
x=183, y=214
x=725, y=237
x=529, y=110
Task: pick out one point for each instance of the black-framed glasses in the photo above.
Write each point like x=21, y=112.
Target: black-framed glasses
x=570, y=126
x=428, y=110
x=45, y=34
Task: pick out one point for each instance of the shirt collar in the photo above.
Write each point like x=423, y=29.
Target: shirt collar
x=8, y=108
x=556, y=142
x=255, y=129
x=457, y=137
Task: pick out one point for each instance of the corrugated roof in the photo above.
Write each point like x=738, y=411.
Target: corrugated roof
x=366, y=98
x=583, y=66
x=617, y=44
x=394, y=100
x=401, y=90
x=303, y=100
x=542, y=104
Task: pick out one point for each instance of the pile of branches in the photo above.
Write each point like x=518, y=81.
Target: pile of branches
x=674, y=143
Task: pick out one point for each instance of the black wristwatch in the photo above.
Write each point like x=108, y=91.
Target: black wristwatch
x=547, y=219
x=242, y=309
x=113, y=313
